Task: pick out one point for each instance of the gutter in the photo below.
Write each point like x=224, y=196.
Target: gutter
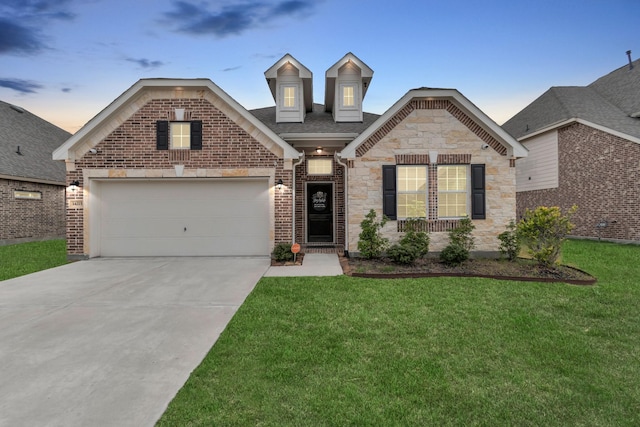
x=346, y=204
x=293, y=197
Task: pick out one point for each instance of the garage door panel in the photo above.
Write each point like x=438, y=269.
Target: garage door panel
x=224, y=217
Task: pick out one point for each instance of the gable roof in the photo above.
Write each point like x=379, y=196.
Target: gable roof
x=141, y=92
x=37, y=139
x=462, y=105
x=366, y=74
x=608, y=104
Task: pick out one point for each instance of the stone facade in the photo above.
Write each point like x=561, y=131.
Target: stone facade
x=598, y=172
x=129, y=150
x=26, y=219
x=413, y=136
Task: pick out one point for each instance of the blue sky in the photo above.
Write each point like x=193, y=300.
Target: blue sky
x=66, y=60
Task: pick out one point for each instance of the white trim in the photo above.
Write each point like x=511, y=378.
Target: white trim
x=514, y=148
x=584, y=122
x=36, y=180
x=118, y=105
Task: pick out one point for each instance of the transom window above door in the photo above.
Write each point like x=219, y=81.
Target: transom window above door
x=320, y=166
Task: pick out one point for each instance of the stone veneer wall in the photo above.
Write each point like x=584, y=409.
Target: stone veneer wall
x=428, y=127
x=599, y=173
x=22, y=220
x=129, y=151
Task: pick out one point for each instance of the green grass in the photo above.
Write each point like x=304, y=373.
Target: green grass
x=444, y=351
x=24, y=258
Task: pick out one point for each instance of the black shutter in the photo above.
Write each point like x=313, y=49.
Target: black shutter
x=478, y=205
x=196, y=135
x=389, y=191
x=162, y=135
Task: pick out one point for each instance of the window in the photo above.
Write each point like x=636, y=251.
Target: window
x=289, y=97
x=452, y=191
x=348, y=96
x=180, y=135
x=320, y=166
x=30, y=195
x=412, y=192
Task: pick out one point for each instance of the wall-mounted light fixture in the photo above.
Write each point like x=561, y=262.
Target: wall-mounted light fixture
x=319, y=150
x=279, y=184
x=73, y=186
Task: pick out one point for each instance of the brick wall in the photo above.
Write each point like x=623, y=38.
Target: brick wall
x=599, y=173
x=31, y=219
x=225, y=147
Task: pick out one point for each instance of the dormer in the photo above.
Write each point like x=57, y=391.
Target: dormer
x=346, y=84
x=291, y=85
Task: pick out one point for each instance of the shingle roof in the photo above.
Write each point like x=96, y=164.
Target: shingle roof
x=608, y=102
x=317, y=121
x=36, y=138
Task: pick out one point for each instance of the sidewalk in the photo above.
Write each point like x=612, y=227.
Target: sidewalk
x=312, y=265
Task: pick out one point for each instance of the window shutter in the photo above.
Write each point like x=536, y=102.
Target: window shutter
x=196, y=135
x=389, y=191
x=478, y=205
x=162, y=135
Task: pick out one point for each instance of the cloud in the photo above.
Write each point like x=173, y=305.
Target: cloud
x=146, y=63
x=19, y=85
x=233, y=19
x=66, y=89
x=21, y=22
x=231, y=68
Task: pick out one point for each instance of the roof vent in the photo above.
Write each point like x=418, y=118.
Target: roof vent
x=630, y=62
x=16, y=108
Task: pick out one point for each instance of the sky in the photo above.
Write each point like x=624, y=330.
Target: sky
x=67, y=60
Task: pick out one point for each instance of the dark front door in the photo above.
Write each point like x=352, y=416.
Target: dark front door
x=319, y=212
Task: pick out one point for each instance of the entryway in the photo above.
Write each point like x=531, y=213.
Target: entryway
x=320, y=212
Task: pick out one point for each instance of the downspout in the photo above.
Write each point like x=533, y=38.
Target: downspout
x=346, y=199
x=293, y=197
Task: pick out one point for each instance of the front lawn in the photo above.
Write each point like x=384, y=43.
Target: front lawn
x=333, y=351
x=25, y=258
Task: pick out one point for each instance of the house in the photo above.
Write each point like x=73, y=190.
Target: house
x=178, y=167
x=32, y=185
x=584, y=149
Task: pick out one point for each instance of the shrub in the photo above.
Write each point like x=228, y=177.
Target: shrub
x=403, y=254
x=510, y=241
x=282, y=252
x=461, y=235
x=454, y=255
x=543, y=230
x=371, y=243
x=413, y=237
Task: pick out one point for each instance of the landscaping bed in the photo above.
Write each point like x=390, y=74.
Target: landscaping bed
x=521, y=269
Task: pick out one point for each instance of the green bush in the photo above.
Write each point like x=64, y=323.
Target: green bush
x=510, y=241
x=461, y=235
x=371, y=243
x=282, y=252
x=454, y=255
x=543, y=231
x=403, y=254
x=413, y=237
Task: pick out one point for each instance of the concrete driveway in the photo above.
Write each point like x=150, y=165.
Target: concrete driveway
x=109, y=342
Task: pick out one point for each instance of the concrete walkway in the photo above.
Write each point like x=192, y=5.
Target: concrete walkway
x=312, y=265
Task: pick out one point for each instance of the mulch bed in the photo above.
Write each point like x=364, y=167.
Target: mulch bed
x=299, y=258
x=521, y=270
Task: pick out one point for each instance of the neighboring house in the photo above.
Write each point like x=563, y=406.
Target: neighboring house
x=584, y=149
x=178, y=167
x=32, y=185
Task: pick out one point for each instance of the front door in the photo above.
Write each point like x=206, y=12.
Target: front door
x=319, y=212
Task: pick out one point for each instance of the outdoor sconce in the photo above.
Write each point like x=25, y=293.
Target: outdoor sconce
x=279, y=184
x=74, y=185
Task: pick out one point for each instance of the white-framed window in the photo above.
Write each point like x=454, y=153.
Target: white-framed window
x=180, y=135
x=348, y=95
x=320, y=167
x=453, y=191
x=289, y=97
x=412, y=183
x=27, y=195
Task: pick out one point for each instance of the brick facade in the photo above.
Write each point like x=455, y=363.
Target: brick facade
x=129, y=151
x=598, y=172
x=22, y=219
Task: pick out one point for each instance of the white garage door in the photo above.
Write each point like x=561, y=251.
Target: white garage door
x=184, y=218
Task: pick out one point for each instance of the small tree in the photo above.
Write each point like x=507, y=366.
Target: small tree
x=461, y=242
x=543, y=231
x=371, y=243
x=510, y=241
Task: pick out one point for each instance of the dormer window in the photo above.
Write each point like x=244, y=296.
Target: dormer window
x=348, y=95
x=289, y=97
